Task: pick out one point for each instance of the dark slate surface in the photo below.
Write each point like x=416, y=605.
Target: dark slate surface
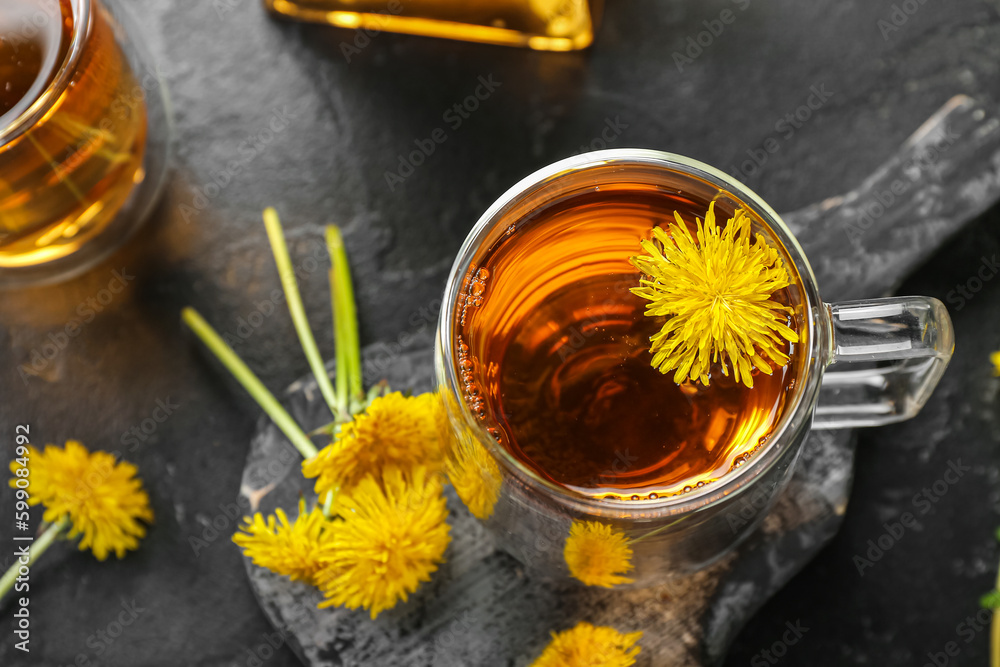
x=231, y=70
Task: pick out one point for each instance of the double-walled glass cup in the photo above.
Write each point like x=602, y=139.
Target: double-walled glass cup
x=889, y=354
x=84, y=151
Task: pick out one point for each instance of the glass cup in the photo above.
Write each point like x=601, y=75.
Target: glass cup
x=889, y=355
x=83, y=153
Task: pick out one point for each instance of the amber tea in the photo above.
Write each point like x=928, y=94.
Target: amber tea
x=553, y=354
x=66, y=172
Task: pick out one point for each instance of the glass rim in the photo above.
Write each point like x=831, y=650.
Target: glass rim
x=82, y=21
x=795, y=416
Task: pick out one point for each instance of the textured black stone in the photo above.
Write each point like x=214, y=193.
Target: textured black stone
x=481, y=609
x=230, y=67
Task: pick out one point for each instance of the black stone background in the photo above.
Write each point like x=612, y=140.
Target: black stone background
x=231, y=68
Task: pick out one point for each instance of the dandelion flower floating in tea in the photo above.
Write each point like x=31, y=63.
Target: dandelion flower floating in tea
x=290, y=548
x=587, y=645
x=716, y=289
x=391, y=538
x=995, y=358
x=103, y=500
x=394, y=430
x=597, y=555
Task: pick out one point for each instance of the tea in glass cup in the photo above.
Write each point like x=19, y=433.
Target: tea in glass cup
x=83, y=137
x=550, y=361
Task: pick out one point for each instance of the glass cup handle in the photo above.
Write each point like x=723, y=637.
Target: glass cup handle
x=887, y=356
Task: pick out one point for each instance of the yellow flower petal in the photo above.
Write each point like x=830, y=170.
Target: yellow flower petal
x=104, y=500
x=597, y=555
x=475, y=476
x=392, y=537
x=587, y=645
x=715, y=289
x=291, y=549
x=995, y=358
x=395, y=431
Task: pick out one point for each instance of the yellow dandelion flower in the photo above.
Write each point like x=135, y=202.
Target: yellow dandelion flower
x=587, y=645
x=291, y=549
x=446, y=436
x=995, y=358
x=716, y=291
x=597, y=555
x=475, y=476
x=104, y=500
x=395, y=431
x=392, y=537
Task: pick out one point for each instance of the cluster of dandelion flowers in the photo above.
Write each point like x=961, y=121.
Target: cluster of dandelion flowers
x=391, y=538
x=293, y=549
x=102, y=500
x=394, y=431
x=598, y=555
x=715, y=287
x=587, y=645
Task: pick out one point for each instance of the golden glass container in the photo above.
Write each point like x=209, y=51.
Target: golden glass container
x=545, y=25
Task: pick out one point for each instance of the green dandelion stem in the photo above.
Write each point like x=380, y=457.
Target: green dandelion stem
x=995, y=633
x=250, y=382
x=35, y=550
x=345, y=320
x=298, y=312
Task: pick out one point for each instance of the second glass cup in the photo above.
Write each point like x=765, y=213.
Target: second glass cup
x=558, y=236
x=84, y=136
